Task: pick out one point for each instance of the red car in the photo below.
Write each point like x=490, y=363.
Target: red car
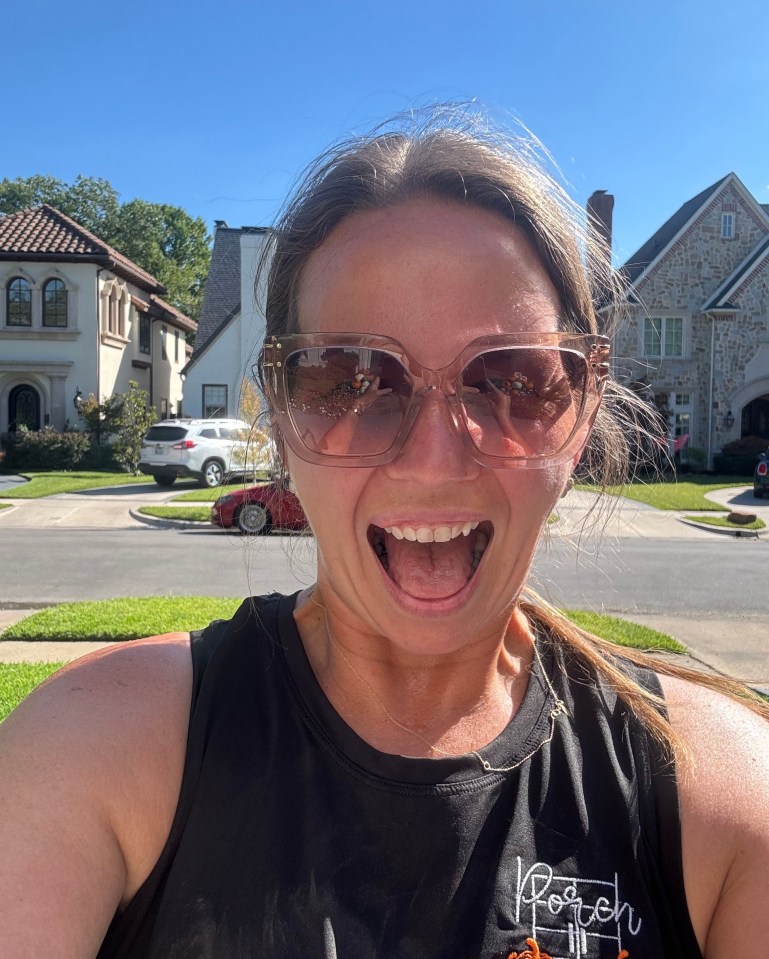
x=258, y=509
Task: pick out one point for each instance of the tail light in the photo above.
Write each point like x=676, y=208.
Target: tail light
x=184, y=445
x=762, y=469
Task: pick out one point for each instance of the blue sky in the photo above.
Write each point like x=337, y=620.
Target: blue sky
x=217, y=106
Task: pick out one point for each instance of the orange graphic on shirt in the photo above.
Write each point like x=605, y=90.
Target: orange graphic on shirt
x=531, y=953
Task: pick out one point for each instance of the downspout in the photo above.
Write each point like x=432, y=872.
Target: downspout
x=710, y=390
x=98, y=334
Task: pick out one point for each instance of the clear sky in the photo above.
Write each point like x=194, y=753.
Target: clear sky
x=217, y=106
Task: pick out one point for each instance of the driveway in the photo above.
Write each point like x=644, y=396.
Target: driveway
x=105, y=508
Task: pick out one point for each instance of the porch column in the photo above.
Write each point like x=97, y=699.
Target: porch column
x=58, y=402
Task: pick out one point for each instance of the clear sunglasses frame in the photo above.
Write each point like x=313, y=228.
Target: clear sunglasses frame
x=593, y=349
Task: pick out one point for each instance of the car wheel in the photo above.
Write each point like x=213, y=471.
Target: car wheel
x=758, y=493
x=163, y=479
x=254, y=519
x=213, y=474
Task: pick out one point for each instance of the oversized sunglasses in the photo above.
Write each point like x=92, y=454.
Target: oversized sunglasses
x=521, y=400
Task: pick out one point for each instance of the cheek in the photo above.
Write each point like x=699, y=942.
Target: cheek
x=327, y=494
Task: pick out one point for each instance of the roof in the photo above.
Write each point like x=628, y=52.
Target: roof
x=640, y=260
x=45, y=233
x=221, y=297
x=722, y=298
x=174, y=316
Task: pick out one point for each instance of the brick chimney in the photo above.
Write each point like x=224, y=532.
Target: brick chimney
x=599, y=213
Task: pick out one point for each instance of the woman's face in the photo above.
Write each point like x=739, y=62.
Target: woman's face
x=434, y=276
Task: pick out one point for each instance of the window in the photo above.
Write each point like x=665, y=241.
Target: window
x=727, y=226
x=18, y=301
x=664, y=336
x=176, y=346
x=214, y=401
x=54, y=303
x=163, y=337
x=145, y=334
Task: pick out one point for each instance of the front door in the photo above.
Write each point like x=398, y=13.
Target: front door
x=23, y=408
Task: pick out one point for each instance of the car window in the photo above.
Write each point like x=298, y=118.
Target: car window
x=233, y=433
x=165, y=434
x=209, y=433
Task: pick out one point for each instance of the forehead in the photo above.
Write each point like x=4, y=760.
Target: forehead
x=433, y=275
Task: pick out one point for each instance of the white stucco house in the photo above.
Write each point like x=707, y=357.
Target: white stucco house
x=77, y=317
x=232, y=324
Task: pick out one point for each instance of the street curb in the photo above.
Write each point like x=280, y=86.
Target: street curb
x=723, y=531
x=159, y=523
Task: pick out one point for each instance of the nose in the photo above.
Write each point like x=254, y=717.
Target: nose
x=433, y=452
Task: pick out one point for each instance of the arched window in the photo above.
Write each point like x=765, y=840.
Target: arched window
x=54, y=303
x=18, y=302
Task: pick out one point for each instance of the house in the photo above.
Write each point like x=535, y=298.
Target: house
x=77, y=317
x=696, y=334
x=232, y=324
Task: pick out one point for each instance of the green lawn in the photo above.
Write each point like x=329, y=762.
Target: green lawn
x=623, y=632
x=17, y=680
x=724, y=522
x=5, y=505
x=682, y=494
x=201, y=495
x=115, y=620
x=61, y=481
x=198, y=514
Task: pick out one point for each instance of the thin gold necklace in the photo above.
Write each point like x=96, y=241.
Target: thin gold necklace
x=486, y=766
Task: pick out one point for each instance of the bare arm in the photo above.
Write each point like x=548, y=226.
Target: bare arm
x=725, y=819
x=90, y=770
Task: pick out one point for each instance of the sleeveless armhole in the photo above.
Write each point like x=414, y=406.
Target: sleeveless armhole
x=130, y=932
x=660, y=811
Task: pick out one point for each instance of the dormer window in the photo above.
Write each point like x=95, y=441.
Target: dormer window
x=727, y=226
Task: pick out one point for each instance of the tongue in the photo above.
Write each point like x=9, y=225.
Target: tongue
x=430, y=570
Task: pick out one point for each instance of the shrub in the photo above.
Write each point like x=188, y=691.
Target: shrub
x=45, y=450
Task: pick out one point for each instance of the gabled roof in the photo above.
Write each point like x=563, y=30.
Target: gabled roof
x=45, y=233
x=221, y=297
x=659, y=241
x=722, y=298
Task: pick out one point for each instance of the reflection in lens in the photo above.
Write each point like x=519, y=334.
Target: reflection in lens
x=523, y=401
x=346, y=400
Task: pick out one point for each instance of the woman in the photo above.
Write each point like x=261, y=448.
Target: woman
x=414, y=757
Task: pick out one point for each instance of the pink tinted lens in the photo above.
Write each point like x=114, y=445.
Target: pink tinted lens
x=523, y=401
x=346, y=400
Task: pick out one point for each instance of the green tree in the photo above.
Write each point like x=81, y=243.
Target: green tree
x=134, y=418
x=162, y=239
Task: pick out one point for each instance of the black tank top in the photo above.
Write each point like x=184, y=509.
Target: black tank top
x=294, y=838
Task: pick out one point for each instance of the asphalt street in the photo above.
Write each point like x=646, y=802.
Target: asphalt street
x=706, y=589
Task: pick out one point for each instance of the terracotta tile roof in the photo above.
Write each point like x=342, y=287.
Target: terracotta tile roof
x=44, y=232
x=175, y=316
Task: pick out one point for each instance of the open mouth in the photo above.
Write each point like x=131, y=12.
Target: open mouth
x=431, y=562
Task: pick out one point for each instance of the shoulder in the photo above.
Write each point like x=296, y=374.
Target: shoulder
x=724, y=796
x=91, y=766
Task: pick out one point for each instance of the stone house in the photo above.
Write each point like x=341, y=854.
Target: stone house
x=232, y=324
x=78, y=317
x=696, y=333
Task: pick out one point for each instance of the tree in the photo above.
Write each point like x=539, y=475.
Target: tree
x=134, y=418
x=162, y=239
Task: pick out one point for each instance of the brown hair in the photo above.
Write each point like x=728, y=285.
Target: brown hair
x=458, y=159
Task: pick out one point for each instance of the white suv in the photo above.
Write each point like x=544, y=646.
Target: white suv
x=208, y=450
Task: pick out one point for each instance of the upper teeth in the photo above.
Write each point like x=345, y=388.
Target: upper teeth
x=427, y=534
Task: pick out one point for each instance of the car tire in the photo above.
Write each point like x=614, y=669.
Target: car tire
x=254, y=519
x=212, y=474
x=758, y=493
x=163, y=479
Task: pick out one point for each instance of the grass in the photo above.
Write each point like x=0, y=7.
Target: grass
x=115, y=620
x=681, y=494
x=197, y=514
x=202, y=495
x=17, y=680
x=623, y=632
x=724, y=522
x=5, y=505
x=61, y=481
